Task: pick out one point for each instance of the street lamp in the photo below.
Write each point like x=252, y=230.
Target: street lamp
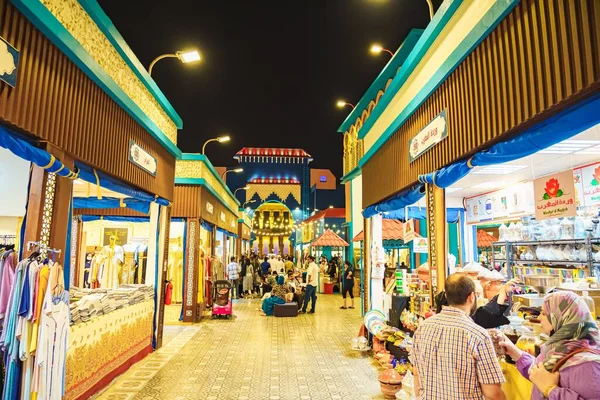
x=220, y=139
x=376, y=49
x=184, y=56
x=248, y=202
x=236, y=170
x=242, y=188
x=343, y=103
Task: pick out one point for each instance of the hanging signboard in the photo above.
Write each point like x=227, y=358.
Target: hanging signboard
x=9, y=63
x=409, y=230
x=555, y=196
x=432, y=134
x=512, y=202
x=587, y=185
x=142, y=158
x=421, y=245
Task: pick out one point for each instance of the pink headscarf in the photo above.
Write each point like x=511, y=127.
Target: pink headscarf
x=574, y=329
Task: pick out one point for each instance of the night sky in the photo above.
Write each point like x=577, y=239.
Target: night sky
x=271, y=70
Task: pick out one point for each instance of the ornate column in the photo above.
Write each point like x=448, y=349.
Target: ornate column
x=190, y=292
x=366, y=264
x=436, y=232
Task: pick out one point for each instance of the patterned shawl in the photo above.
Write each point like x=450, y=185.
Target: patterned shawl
x=574, y=329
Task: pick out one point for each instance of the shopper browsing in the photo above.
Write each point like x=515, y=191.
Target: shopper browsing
x=312, y=281
x=453, y=357
x=568, y=367
x=348, y=284
x=233, y=274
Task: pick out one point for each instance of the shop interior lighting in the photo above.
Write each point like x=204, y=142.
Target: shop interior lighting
x=499, y=169
x=572, y=146
x=453, y=189
x=485, y=185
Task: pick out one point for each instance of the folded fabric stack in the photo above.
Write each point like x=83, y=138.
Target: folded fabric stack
x=90, y=303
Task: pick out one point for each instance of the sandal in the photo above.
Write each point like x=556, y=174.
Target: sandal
x=343, y=307
x=351, y=307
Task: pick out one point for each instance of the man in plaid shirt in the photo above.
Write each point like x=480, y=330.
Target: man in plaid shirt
x=233, y=274
x=453, y=358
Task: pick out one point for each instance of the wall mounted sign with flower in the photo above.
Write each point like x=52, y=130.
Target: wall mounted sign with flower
x=555, y=196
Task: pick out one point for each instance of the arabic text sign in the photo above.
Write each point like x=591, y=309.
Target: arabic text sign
x=555, y=196
x=421, y=245
x=587, y=185
x=432, y=134
x=9, y=63
x=409, y=230
x=142, y=158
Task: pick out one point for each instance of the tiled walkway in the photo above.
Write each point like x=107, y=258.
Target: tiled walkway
x=255, y=357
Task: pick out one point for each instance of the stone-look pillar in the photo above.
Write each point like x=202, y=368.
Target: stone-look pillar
x=190, y=292
x=163, y=253
x=436, y=232
x=366, y=265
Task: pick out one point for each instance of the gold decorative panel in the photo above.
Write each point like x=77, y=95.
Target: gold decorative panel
x=47, y=210
x=197, y=169
x=79, y=24
x=353, y=150
x=282, y=191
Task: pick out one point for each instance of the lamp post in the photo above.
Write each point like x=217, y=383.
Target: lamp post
x=220, y=139
x=184, y=56
x=242, y=188
x=248, y=202
x=343, y=103
x=377, y=49
x=236, y=170
x=431, y=12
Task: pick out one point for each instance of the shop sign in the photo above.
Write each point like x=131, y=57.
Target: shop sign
x=587, y=185
x=9, y=63
x=210, y=208
x=222, y=216
x=512, y=202
x=409, y=230
x=434, y=132
x=555, y=196
x=421, y=245
x=142, y=158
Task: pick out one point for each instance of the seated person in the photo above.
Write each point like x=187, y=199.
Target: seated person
x=278, y=296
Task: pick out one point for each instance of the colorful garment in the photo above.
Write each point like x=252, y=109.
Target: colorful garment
x=12, y=380
x=574, y=329
x=8, y=278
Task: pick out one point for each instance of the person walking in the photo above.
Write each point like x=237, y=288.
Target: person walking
x=264, y=267
x=312, y=282
x=248, y=280
x=474, y=372
x=289, y=264
x=569, y=362
x=348, y=284
x=233, y=274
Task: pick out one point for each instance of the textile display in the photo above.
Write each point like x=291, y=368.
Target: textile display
x=102, y=349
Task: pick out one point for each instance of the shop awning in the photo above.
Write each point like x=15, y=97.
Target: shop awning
x=329, y=239
x=101, y=179
x=485, y=239
x=392, y=230
x=452, y=214
x=113, y=218
x=112, y=202
x=12, y=141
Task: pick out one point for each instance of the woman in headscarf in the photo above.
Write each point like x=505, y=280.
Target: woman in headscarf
x=568, y=367
x=278, y=295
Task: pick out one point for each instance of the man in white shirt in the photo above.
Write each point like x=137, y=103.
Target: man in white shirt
x=280, y=266
x=273, y=263
x=233, y=274
x=312, y=281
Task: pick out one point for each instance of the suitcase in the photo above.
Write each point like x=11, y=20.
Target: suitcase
x=286, y=310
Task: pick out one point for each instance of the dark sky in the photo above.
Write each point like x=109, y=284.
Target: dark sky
x=271, y=70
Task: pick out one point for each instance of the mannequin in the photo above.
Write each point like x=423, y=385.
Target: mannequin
x=140, y=260
x=175, y=270
x=111, y=273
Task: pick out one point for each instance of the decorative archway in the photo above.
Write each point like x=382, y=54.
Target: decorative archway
x=272, y=224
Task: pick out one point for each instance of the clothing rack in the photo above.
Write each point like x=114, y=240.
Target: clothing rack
x=7, y=239
x=42, y=248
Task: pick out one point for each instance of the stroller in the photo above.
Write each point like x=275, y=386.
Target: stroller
x=222, y=302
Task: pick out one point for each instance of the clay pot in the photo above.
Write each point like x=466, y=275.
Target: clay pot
x=391, y=382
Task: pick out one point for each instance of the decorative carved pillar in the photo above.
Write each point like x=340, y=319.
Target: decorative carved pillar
x=190, y=292
x=366, y=264
x=436, y=232
x=164, y=234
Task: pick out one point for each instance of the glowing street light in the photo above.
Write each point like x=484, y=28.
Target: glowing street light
x=220, y=139
x=236, y=170
x=377, y=49
x=242, y=188
x=184, y=56
x=343, y=103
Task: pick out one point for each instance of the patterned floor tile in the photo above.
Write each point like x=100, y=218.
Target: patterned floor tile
x=255, y=357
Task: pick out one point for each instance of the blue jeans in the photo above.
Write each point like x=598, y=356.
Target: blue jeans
x=311, y=293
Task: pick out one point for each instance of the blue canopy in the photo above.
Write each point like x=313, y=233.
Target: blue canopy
x=114, y=218
x=420, y=213
x=541, y=136
x=398, y=202
x=13, y=142
x=206, y=226
x=111, y=202
x=90, y=175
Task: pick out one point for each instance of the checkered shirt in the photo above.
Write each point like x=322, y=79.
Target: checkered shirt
x=454, y=357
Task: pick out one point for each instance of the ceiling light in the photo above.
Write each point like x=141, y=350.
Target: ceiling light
x=502, y=169
x=485, y=185
x=453, y=189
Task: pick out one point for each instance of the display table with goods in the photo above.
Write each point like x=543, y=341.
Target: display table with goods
x=113, y=332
